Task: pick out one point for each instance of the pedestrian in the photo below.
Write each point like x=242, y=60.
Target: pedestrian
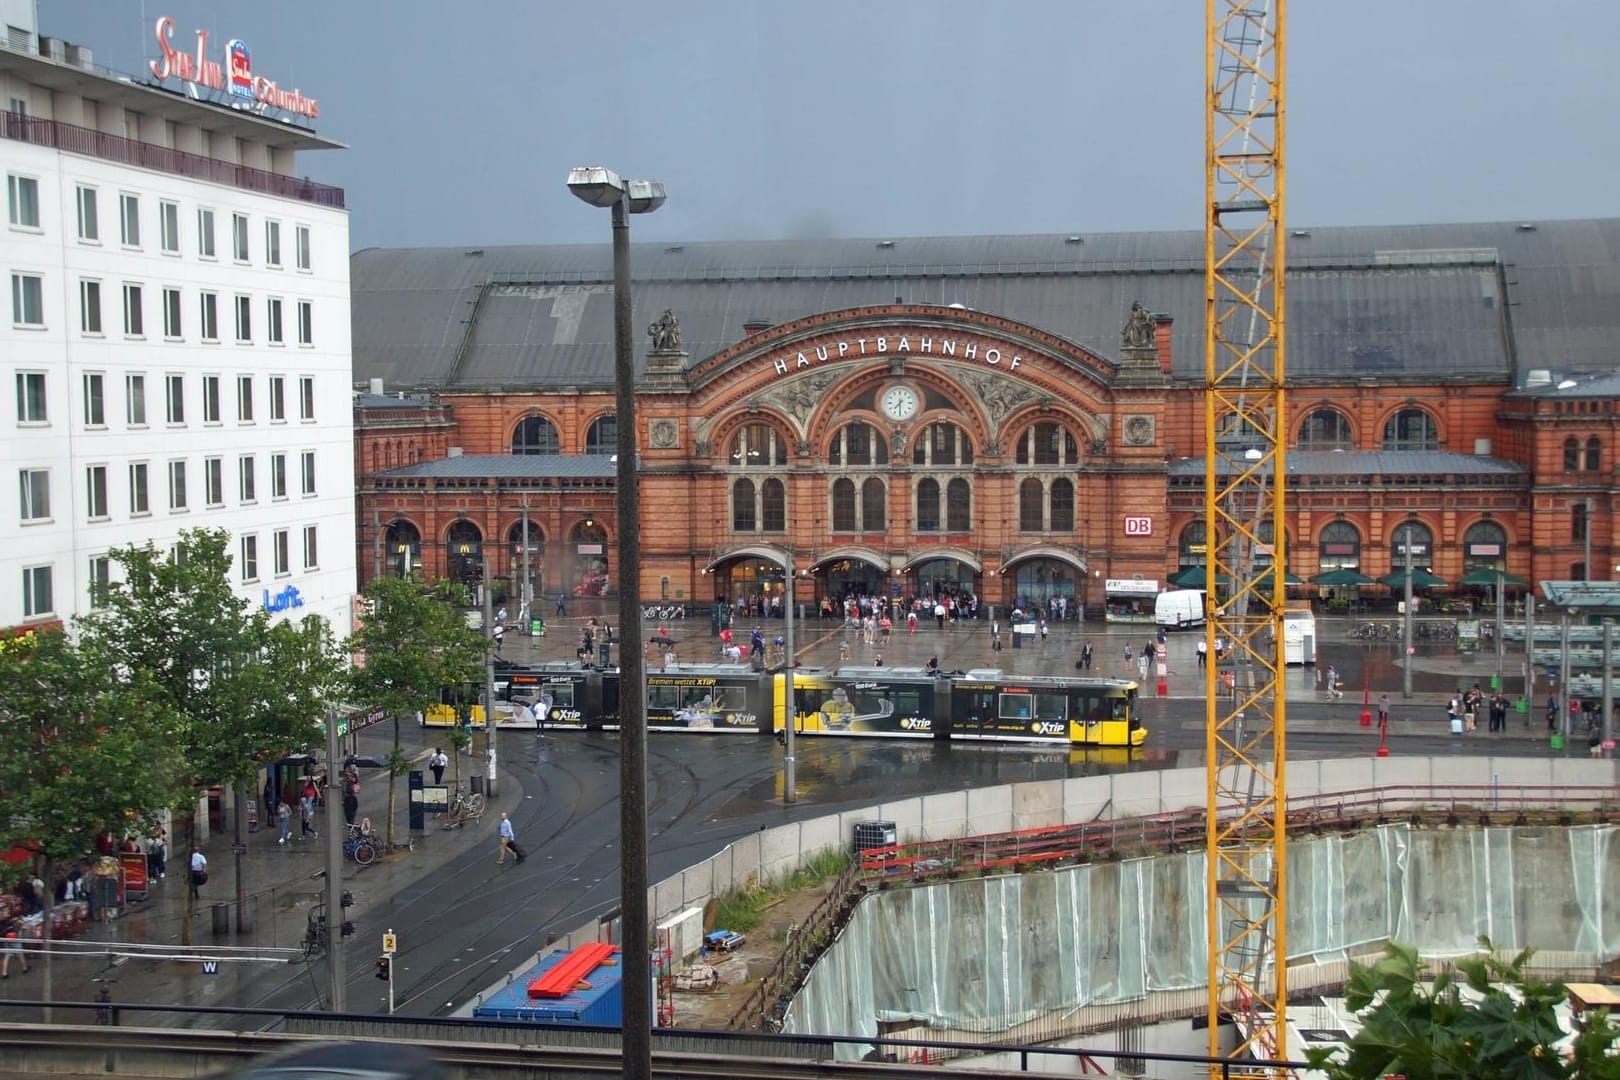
x=498, y=632
x=995, y=636
x=1383, y=710
x=1042, y=625
x=562, y=604
x=843, y=649
x=1127, y=654
x=939, y=614
x=911, y=622
x=887, y=625
x=13, y=948
x=157, y=855
x=437, y=762
x=351, y=801
x=283, y=820
x=199, y=873
x=306, y=807
x=1085, y=656
x=756, y=642
x=509, y=841
x=1203, y=652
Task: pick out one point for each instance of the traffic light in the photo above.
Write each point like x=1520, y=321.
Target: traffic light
x=382, y=967
x=348, y=927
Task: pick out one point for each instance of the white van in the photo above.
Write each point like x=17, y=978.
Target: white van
x=1179, y=609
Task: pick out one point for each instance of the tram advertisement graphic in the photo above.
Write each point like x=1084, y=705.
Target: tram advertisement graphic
x=705, y=703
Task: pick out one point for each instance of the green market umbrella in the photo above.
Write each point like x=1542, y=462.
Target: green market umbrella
x=1487, y=579
x=1341, y=579
x=1421, y=579
x=1194, y=578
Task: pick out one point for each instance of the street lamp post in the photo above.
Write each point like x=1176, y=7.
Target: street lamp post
x=603, y=188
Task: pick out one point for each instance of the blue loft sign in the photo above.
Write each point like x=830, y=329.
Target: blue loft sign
x=284, y=600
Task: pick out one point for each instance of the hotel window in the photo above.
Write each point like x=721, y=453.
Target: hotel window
x=129, y=220
x=244, y=318
x=307, y=468
x=210, y=316
x=27, y=300
x=272, y=322
x=95, y=492
x=272, y=243
x=250, y=558
x=205, y=234
x=31, y=398
x=306, y=397
x=134, y=317
x=311, y=549
x=247, y=476
x=177, y=485
x=239, y=237
x=278, y=399
x=140, y=502
x=90, y=307
x=306, y=329
x=278, y=476
x=172, y=325
x=169, y=227
x=214, y=481
x=22, y=201
x=100, y=580
x=281, y=552
x=244, y=398
x=34, y=487
x=135, y=400
x=210, y=399
x=95, y=399
x=174, y=398
x=89, y=219
x=37, y=591
x=301, y=246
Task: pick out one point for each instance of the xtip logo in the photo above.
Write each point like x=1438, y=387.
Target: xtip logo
x=1138, y=526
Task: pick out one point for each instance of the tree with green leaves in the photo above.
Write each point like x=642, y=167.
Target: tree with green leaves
x=1497, y=1023
x=237, y=686
x=415, y=644
x=78, y=757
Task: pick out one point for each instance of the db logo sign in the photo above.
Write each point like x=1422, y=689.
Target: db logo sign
x=1138, y=526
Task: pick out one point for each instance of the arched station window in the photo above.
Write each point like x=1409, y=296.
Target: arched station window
x=759, y=507
x=535, y=435
x=1326, y=429
x=858, y=443
x=1339, y=547
x=757, y=446
x=603, y=436
x=1047, y=443
x=1411, y=429
x=942, y=443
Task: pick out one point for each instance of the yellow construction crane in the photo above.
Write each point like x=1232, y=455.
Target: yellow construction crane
x=1244, y=496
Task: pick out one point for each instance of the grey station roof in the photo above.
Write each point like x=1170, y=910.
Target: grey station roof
x=510, y=467
x=1428, y=301
x=1363, y=463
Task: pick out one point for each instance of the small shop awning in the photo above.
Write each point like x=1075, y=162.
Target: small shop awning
x=1486, y=579
x=1421, y=579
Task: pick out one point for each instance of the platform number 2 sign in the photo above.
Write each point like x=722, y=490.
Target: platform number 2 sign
x=1138, y=526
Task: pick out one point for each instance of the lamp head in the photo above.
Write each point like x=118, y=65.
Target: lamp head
x=603, y=187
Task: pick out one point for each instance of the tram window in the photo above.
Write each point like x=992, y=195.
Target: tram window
x=906, y=702
x=1091, y=706
x=561, y=694
x=663, y=697
x=1015, y=706
x=978, y=710
x=1051, y=707
x=1116, y=709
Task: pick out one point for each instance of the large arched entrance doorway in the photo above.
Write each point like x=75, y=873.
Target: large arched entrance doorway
x=527, y=568
x=585, y=570
x=464, y=548
x=1045, y=580
x=851, y=576
x=402, y=553
x=938, y=576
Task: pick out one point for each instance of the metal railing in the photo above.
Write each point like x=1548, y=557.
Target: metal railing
x=72, y=139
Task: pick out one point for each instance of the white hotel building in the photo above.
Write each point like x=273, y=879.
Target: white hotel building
x=176, y=341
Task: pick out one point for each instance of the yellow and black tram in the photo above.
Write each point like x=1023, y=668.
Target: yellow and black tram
x=870, y=702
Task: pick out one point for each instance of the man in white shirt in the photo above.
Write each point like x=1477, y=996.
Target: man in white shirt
x=199, y=872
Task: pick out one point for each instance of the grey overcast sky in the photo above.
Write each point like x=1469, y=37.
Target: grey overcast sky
x=880, y=118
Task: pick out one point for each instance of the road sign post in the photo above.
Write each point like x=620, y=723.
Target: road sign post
x=390, y=945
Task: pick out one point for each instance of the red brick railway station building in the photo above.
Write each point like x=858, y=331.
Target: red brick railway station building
x=981, y=415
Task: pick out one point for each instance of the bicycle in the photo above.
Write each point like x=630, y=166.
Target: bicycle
x=358, y=845
x=464, y=807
